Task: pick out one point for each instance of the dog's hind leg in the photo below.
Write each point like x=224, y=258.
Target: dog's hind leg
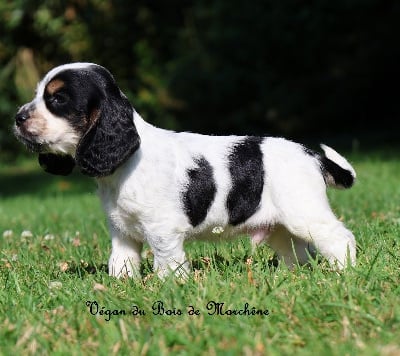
x=307, y=215
x=289, y=248
x=330, y=237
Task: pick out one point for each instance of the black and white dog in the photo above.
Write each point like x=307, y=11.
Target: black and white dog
x=163, y=187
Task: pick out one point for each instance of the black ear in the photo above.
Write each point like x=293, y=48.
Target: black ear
x=56, y=164
x=111, y=139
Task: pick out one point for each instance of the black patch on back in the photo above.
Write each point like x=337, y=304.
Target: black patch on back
x=310, y=152
x=200, y=191
x=247, y=172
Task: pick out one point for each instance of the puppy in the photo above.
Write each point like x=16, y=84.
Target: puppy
x=163, y=187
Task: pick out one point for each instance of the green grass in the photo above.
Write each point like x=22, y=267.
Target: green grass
x=47, y=278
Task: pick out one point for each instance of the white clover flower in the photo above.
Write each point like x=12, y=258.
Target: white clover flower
x=7, y=233
x=217, y=230
x=48, y=237
x=26, y=233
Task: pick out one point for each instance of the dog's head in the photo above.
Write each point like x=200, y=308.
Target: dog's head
x=78, y=116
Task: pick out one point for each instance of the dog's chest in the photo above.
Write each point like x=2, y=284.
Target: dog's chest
x=122, y=208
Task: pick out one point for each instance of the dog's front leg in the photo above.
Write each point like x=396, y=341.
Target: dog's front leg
x=125, y=256
x=169, y=256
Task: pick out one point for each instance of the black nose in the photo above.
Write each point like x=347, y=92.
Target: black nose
x=21, y=117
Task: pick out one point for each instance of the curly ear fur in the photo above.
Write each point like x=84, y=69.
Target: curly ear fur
x=111, y=138
x=56, y=164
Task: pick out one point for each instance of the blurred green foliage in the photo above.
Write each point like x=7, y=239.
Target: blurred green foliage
x=281, y=67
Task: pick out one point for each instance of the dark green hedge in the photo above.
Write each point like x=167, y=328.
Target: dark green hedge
x=297, y=68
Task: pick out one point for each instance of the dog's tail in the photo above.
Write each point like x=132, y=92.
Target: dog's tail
x=337, y=171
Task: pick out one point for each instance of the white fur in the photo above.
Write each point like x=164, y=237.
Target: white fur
x=52, y=131
x=58, y=136
x=142, y=200
x=337, y=158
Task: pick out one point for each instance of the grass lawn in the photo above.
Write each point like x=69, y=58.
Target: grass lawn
x=56, y=296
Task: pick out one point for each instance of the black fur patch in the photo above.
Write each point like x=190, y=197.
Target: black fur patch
x=341, y=176
x=247, y=172
x=310, y=152
x=200, y=191
x=56, y=164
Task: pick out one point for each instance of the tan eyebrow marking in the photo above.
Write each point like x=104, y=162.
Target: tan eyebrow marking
x=54, y=85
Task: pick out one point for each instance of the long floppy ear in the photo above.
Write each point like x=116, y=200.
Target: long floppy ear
x=111, y=138
x=61, y=165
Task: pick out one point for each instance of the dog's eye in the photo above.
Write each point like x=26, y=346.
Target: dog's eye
x=58, y=98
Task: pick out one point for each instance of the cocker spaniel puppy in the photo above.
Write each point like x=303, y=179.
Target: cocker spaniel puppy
x=164, y=187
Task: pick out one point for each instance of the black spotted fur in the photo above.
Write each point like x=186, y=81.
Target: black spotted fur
x=200, y=191
x=247, y=173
